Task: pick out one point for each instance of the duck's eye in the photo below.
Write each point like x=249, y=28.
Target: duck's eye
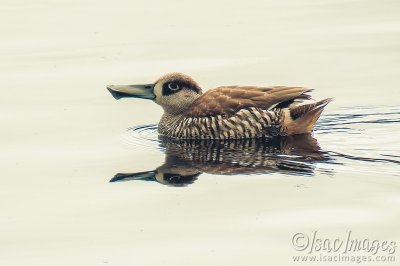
x=173, y=86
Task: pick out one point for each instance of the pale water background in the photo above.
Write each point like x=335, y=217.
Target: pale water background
x=63, y=137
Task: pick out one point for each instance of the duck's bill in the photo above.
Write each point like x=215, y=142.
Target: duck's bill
x=144, y=91
x=145, y=176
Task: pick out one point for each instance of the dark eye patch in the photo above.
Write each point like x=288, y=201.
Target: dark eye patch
x=178, y=85
x=180, y=180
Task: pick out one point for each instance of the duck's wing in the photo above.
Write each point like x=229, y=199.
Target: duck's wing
x=230, y=99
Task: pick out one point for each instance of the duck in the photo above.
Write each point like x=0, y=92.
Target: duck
x=226, y=112
x=187, y=159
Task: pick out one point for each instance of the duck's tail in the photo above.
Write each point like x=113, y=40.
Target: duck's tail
x=301, y=119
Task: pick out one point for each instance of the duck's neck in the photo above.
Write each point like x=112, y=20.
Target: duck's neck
x=174, y=113
x=168, y=122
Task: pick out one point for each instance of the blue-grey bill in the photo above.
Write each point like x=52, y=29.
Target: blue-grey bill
x=144, y=91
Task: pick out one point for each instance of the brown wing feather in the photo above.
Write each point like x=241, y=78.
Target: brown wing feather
x=228, y=100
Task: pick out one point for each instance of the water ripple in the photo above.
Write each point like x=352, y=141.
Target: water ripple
x=143, y=136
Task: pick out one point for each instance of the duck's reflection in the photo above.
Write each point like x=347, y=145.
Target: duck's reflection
x=185, y=160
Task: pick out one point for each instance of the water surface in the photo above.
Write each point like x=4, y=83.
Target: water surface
x=63, y=137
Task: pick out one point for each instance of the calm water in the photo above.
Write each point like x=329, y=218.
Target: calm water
x=64, y=138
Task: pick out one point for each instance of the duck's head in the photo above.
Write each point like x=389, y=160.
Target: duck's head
x=174, y=92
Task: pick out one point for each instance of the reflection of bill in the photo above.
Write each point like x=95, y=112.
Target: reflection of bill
x=186, y=159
